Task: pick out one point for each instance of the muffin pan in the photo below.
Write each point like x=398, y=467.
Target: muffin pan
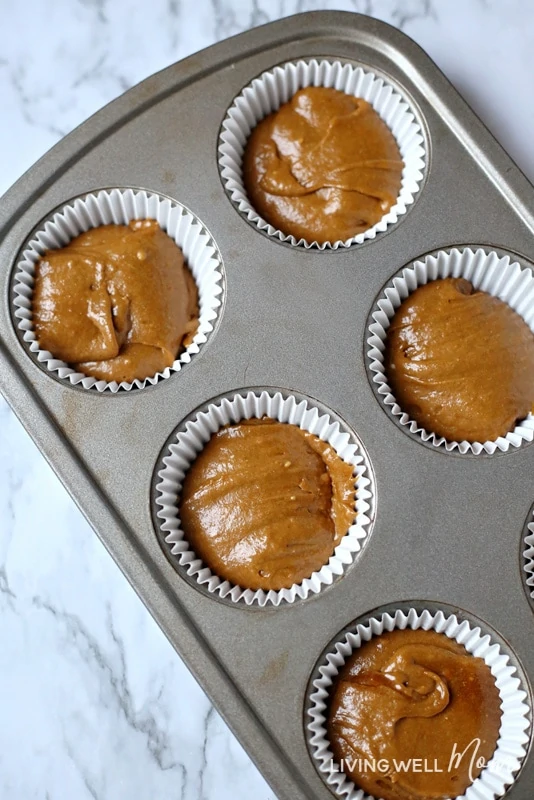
x=447, y=527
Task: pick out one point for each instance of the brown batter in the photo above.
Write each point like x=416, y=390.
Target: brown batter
x=414, y=695
x=117, y=302
x=265, y=504
x=460, y=362
x=324, y=167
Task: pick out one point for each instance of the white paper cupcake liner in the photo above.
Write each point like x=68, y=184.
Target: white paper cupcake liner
x=528, y=555
x=487, y=271
x=120, y=206
x=182, y=452
x=277, y=86
x=514, y=734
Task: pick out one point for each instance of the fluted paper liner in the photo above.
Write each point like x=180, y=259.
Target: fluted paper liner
x=498, y=275
x=120, y=206
x=514, y=731
x=277, y=86
x=188, y=443
x=528, y=555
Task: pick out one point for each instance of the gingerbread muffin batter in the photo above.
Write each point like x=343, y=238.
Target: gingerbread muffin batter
x=324, y=167
x=414, y=695
x=117, y=302
x=265, y=504
x=460, y=362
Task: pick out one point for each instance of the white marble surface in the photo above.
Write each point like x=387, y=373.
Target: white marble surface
x=94, y=703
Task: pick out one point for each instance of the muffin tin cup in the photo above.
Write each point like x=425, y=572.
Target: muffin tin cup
x=188, y=443
x=528, y=556
x=490, y=272
x=514, y=731
x=273, y=88
x=119, y=206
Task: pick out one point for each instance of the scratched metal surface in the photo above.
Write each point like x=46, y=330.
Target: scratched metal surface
x=447, y=528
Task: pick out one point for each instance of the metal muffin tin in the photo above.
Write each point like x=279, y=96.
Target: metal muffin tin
x=448, y=529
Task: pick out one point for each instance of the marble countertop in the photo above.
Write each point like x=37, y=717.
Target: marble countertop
x=94, y=702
